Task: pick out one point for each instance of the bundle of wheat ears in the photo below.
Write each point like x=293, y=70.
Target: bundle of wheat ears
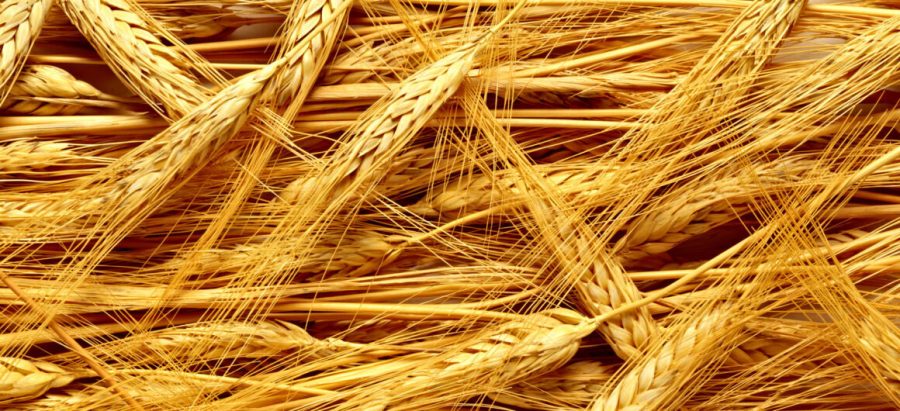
x=389, y=205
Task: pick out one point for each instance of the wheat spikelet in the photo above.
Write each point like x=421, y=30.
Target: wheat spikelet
x=22, y=379
x=573, y=387
x=513, y=351
x=45, y=90
x=20, y=23
x=647, y=383
x=138, y=57
x=198, y=343
x=24, y=155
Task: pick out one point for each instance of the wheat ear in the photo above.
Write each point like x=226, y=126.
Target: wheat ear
x=45, y=90
x=648, y=383
x=411, y=169
x=295, y=80
x=30, y=155
x=139, y=59
x=470, y=194
x=605, y=287
x=712, y=204
x=571, y=387
x=502, y=356
x=22, y=380
x=395, y=120
x=188, y=142
x=359, y=252
x=214, y=341
x=20, y=24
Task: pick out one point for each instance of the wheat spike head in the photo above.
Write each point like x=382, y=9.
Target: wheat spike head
x=502, y=356
x=22, y=380
x=190, y=140
x=20, y=23
x=28, y=155
x=128, y=46
x=39, y=82
x=654, y=376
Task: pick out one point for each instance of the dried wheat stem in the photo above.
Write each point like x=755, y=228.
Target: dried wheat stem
x=566, y=87
x=20, y=24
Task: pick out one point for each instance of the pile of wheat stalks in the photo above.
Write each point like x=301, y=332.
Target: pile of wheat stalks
x=449, y=204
